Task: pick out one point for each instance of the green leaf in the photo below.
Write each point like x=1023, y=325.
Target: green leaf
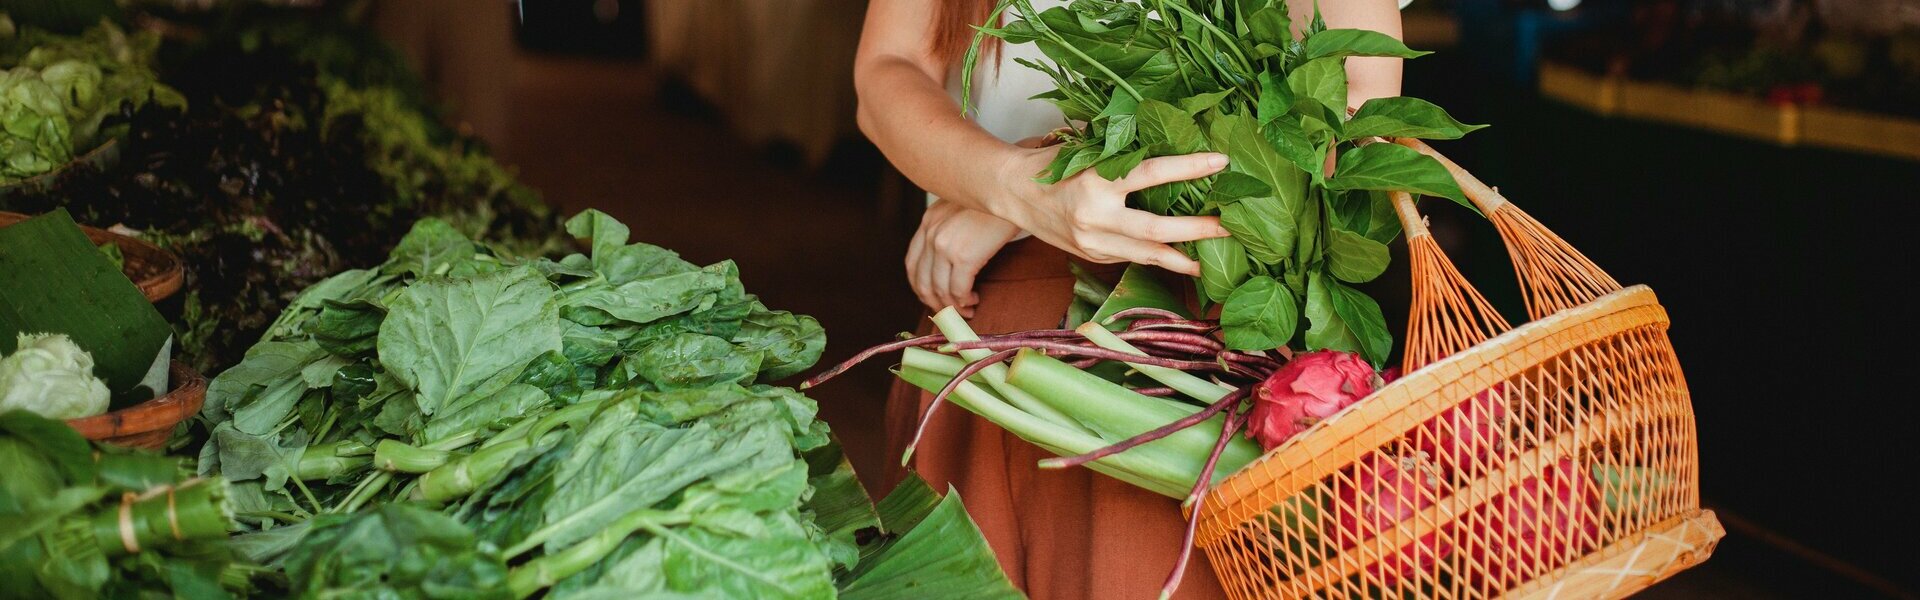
x=644, y=300
x=431, y=247
x=1263, y=226
x=1249, y=152
x=1223, y=266
x=940, y=553
x=1325, y=81
x=1276, y=97
x=1233, y=186
x=1270, y=25
x=1401, y=116
x=1352, y=257
x=1118, y=136
x=1083, y=158
x=1326, y=330
x=1194, y=105
x=1383, y=223
x=1260, y=315
x=1334, y=43
x=694, y=360
x=787, y=343
x=449, y=338
x=1290, y=139
x=1166, y=130
x=1362, y=317
x=1119, y=166
x=394, y=551
x=1392, y=167
x=346, y=329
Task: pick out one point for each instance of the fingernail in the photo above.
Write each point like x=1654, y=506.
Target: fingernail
x=1217, y=160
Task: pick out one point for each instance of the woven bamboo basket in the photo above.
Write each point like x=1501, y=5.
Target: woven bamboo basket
x=1556, y=459
x=148, y=424
x=156, y=272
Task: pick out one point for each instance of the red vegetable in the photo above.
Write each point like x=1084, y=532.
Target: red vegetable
x=1385, y=491
x=1537, y=531
x=1463, y=439
x=1309, y=388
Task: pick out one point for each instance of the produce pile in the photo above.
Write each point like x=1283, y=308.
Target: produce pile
x=589, y=425
x=294, y=159
x=61, y=90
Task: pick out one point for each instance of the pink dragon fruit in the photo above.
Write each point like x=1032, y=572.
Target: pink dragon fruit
x=1524, y=544
x=1309, y=388
x=1386, y=491
x=1467, y=438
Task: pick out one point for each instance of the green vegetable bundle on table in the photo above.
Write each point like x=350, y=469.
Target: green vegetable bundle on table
x=461, y=420
x=79, y=522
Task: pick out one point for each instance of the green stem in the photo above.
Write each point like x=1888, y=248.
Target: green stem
x=395, y=456
x=1149, y=470
x=955, y=328
x=542, y=572
x=1118, y=414
x=1217, y=33
x=461, y=476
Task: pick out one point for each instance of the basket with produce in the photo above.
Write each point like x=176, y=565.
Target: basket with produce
x=82, y=343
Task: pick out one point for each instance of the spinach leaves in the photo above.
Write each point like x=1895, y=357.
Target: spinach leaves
x=1144, y=78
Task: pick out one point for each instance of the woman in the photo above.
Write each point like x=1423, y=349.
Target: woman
x=1059, y=534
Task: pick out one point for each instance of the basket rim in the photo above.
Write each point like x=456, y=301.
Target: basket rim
x=1397, y=408
x=162, y=412
x=168, y=272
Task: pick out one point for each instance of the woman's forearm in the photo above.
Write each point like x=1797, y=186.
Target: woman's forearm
x=919, y=128
x=1367, y=77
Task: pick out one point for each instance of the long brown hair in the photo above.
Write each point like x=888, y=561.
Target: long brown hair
x=953, y=29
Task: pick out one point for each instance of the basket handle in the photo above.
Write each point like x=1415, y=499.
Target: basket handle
x=1447, y=314
x=1483, y=196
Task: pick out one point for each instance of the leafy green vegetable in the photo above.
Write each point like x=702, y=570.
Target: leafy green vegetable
x=1146, y=78
x=590, y=426
x=57, y=92
x=81, y=522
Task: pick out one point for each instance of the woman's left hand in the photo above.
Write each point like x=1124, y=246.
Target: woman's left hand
x=951, y=247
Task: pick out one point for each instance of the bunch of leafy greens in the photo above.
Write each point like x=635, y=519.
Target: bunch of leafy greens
x=81, y=522
x=282, y=173
x=56, y=93
x=588, y=426
x=1145, y=78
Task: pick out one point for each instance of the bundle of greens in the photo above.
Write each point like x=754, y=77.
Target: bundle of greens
x=81, y=522
x=590, y=425
x=56, y=93
x=280, y=175
x=1144, y=78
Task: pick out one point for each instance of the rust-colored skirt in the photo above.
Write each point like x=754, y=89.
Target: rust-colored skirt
x=1066, y=534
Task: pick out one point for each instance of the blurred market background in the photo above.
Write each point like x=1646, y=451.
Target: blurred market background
x=1755, y=161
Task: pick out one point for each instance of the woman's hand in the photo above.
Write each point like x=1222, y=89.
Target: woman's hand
x=952, y=245
x=1086, y=215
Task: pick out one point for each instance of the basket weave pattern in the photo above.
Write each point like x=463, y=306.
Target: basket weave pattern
x=1556, y=459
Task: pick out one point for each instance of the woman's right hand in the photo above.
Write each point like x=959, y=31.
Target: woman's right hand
x=1087, y=215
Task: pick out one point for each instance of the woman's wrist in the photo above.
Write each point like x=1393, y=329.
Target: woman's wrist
x=1014, y=187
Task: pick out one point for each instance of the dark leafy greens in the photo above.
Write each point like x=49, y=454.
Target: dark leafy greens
x=1145, y=78
x=286, y=169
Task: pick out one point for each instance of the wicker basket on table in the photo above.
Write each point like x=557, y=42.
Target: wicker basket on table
x=1556, y=459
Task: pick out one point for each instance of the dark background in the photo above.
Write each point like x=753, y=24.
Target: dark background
x=1782, y=267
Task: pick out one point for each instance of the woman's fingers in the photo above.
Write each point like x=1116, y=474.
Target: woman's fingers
x=1168, y=169
x=1160, y=255
x=1143, y=225
x=959, y=282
